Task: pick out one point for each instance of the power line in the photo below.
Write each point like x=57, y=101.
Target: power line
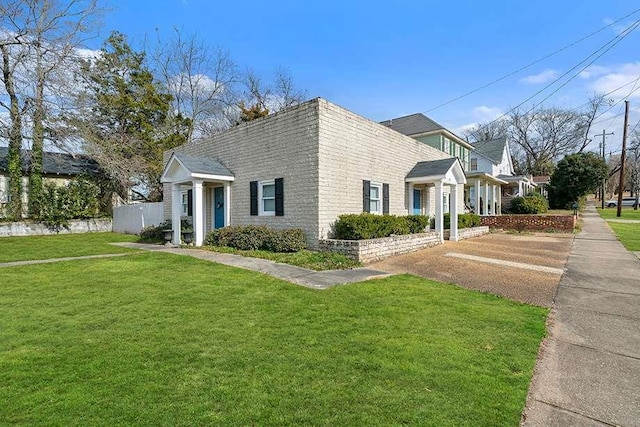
x=598, y=54
x=532, y=63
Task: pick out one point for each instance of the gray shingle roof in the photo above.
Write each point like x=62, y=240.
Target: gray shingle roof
x=432, y=168
x=412, y=125
x=491, y=149
x=205, y=165
x=55, y=163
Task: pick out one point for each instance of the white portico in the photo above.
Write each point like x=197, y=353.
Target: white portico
x=435, y=175
x=209, y=183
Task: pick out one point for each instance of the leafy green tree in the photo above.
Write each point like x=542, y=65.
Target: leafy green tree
x=575, y=176
x=126, y=125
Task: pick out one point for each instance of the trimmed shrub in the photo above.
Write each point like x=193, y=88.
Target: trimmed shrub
x=532, y=203
x=467, y=220
x=370, y=226
x=155, y=233
x=289, y=240
x=253, y=237
x=417, y=223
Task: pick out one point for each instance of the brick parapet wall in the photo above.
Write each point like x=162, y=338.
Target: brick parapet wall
x=376, y=249
x=565, y=223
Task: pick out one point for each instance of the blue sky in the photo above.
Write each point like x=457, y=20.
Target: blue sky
x=389, y=59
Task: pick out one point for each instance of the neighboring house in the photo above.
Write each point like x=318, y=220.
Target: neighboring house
x=492, y=182
x=305, y=166
x=542, y=182
x=59, y=168
x=422, y=128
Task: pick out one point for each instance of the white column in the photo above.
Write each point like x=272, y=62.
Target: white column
x=176, y=212
x=494, y=200
x=227, y=203
x=427, y=197
x=410, y=198
x=439, y=213
x=453, y=227
x=477, y=196
x=520, y=189
x=198, y=213
x=486, y=199
x=500, y=200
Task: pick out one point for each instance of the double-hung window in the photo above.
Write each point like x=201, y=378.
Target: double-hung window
x=375, y=198
x=267, y=198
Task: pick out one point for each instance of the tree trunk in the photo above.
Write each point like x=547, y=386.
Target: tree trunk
x=15, y=140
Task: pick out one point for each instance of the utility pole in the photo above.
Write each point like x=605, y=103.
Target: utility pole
x=623, y=157
x=603, y=188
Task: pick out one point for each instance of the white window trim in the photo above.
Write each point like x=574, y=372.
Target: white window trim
x=261, y=211
x=378, y=185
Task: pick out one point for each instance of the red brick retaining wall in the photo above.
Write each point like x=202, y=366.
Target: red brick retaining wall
x=563, y=223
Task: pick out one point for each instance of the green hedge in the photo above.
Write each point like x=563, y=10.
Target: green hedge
x=467, y=220
x=155, y=233
x=370, y=226
x=253, y=237
x=532, y=203
x=79, y=199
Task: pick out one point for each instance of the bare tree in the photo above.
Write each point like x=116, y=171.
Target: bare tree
x=203, y=81
x=540, y=136
x=50, y=31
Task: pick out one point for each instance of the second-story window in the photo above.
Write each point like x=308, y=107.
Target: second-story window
x=474, y=165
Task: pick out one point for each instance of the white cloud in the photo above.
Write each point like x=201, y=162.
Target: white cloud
x=619, y=28
x=485, y=114
x=542, y=77
x=594, y=71
x=622, y=80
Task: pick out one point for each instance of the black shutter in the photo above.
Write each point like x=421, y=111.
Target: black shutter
x=279, y=196
x=189, y=202
x=253, y=194
x=385, y=198
x=366, y=196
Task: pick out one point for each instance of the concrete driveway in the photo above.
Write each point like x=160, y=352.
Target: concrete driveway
x=522, y=267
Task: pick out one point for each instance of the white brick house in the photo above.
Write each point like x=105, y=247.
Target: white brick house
x=302, y=168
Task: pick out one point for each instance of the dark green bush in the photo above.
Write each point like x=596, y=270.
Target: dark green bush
x=253, y=237
x=155, y=233
x=371, y=226
x=417, y=223
x=79, y=199
x=532, y=203
x=290, y=240
x=467, y=220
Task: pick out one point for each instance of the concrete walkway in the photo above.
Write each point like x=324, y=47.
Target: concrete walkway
x=290, y=273
x=50, y=260
x=588, y=371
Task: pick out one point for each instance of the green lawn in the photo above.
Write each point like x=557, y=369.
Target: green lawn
x=627, y=213
x=61, y=246
x=159, y=339
x=627, y=233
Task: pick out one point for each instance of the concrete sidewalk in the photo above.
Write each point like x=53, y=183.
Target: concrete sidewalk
x=588, y=371
x=290, y=273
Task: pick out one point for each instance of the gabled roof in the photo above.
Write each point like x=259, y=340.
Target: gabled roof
x=414, y=124
x=55, y=163
x=205, y=165
x=447, y=170
x=185, y=167
x=492, y=149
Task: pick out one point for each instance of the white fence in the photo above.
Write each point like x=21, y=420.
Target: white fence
x=131, y=219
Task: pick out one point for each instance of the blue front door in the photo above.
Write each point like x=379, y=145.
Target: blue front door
x=218, y=207
x=417, y=202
